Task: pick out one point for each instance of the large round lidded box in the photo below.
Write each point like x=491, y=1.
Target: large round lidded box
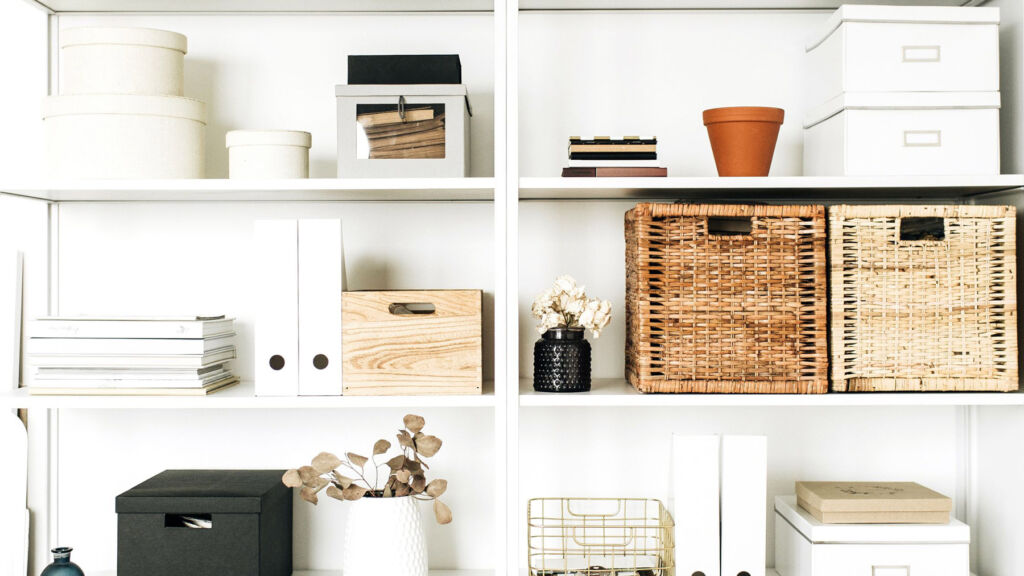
x=262, y=154
x=102, y=60
x=124, y=136
x=403, y=130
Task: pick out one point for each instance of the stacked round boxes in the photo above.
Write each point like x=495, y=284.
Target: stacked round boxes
x=121, y=113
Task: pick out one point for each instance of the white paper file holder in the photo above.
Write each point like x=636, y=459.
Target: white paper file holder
x=744, y=505
x=321, y=274
x=277, y=307
x=695, y=504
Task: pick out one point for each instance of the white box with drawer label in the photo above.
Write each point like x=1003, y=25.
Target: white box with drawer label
x=903, y=134
x=806, y=547
x=904, y=49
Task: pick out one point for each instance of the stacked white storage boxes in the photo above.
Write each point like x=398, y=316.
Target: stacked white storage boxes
x=807, y=547
x=903, y=90
x=121, y=113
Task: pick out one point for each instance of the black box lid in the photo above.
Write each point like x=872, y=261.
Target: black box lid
x=405, y=69
x=204, y=491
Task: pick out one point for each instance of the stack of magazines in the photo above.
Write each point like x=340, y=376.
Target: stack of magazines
x=131, y=356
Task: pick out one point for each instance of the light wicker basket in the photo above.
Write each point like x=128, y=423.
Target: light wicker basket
x=599, y=537
x=935, y=313
x=718, y=312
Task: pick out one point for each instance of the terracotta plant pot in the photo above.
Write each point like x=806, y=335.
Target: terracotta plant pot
x=743, y=138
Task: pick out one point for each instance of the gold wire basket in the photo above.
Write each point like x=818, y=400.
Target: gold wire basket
x=599, y=537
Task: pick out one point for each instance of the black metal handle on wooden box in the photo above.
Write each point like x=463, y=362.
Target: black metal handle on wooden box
x=412, y=308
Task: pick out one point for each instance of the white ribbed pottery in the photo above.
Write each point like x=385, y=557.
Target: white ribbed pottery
x=268, y=154
x=123, y=136
x=384, y=536
x=102, y=60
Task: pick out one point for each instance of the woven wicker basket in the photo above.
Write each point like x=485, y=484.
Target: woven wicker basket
x=726, y=312
x=932, y=312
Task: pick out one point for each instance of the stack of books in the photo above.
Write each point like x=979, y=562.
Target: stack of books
x=131, y=356
x=602, y=156
x=420, y=134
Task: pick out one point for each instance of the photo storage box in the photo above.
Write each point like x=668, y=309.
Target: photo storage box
x=206, y=523
x=806, y=547
x=403, y=131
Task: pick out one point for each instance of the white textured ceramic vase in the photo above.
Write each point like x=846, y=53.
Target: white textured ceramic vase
x=384, y=536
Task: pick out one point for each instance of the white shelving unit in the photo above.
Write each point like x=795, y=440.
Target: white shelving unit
x=611, y=393
x=174, y=246
x=319, y=189
x=240, y=397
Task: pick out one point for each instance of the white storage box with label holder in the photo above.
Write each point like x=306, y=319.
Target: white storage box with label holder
x=99, y=60
x=106, y=136
x=407, y=130
x=806, y=547
x=903, y=134
x=904, y=49
x=267, y=154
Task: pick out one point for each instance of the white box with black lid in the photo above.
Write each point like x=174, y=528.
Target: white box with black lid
x=904, y=49
x=403, y=130
x=806, y=547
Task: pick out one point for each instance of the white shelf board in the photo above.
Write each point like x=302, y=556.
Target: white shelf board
x=255, y=6
x=241, y=396
x=618, y=393
x=851, y=188
x=722, y=4
x=222, y=190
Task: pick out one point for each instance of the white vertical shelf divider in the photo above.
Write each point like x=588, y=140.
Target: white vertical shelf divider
x=510, y=146
x=506, y=390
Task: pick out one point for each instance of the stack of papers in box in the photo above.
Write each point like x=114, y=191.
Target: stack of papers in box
x=131, y=356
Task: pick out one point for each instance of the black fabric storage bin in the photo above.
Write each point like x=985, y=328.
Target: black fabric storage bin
x=250, y=533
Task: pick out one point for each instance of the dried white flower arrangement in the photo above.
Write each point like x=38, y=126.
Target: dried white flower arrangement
x=565, y=305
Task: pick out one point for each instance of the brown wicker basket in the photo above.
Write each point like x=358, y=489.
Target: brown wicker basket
x=726, y=299
x=923, y=298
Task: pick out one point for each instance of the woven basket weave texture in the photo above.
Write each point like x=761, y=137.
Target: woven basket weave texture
x=726, y=312
x=937, y=313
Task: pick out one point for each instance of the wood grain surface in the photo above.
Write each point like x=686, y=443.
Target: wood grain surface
x=419, y=354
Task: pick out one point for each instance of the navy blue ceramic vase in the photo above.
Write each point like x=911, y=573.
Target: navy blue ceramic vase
x=62, y=564
x=561, y=361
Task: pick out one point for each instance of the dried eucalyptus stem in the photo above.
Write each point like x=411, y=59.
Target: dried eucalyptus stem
x=406, y=472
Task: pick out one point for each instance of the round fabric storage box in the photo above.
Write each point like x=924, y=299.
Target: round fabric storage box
x=122, y=61
x=267, y=154
x=124, y=137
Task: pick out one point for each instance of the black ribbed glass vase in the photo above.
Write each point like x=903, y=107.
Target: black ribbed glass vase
x=561, y=361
